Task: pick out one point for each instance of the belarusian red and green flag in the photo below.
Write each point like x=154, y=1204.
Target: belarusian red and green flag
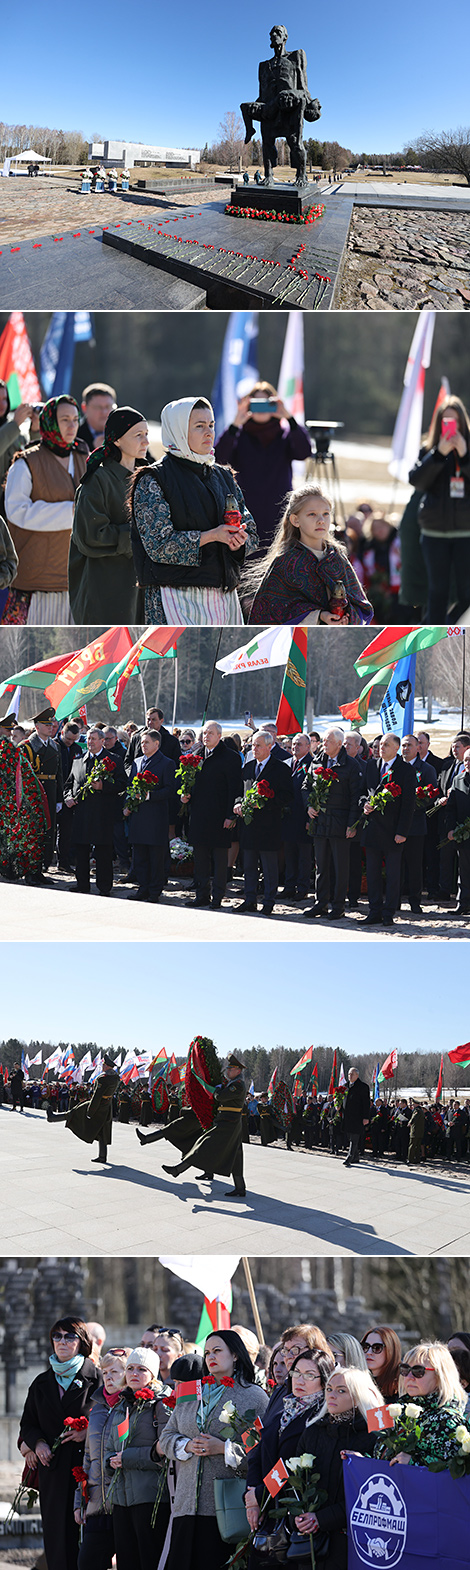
x=291, y=712
x=440, y=1080
x=382, y=655
x=86, y=673
x=17, y=366
x=388, y=1068
x=306, y=1058
x=39, y=675
x=461, y=1055
x=215, y=1316
x=154, y=644
x=334, y=1070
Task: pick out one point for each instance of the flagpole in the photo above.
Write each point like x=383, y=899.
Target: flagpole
x=175, y=692
x=219, y=640
x=254, y=1305
x=463, y=680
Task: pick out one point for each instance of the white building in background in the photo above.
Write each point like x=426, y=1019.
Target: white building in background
x=128, y=155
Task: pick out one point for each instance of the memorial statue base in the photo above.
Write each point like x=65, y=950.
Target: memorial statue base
x=276, y=198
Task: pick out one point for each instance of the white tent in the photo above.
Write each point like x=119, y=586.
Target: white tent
x=30, y=157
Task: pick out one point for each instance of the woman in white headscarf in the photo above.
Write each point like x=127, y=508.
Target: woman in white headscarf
x=190, y=526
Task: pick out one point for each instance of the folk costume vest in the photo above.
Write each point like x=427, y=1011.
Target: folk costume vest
x=42, y=556
x=196, y=495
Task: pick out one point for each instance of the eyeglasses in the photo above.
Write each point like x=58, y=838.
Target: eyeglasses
x=372, y=1346
x=416, y=1372
x=65, y=1335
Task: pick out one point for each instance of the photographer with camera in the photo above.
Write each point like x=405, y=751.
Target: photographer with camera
x=261, y=444
x=442, y=475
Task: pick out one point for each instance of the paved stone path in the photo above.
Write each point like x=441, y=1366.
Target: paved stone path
x=297, y=1202
x=407, y=260
x=60, y=915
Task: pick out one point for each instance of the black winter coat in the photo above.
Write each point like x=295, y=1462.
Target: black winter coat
x=94, y=817
x=295, y=824
x=266, y=830
x=356, y=1107
x=213, y=795
x=274, y=1446
x=45, y=1408
x=424, y=775
x=149, y=825
x=169, y=746
x=325, y=1440
x=342, y=809
x=380, y=829
x=458, y=808
x=439, y=513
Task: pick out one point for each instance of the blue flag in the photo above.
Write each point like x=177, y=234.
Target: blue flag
x=376, y=1083
x=406, y=1516
x=66, y=328
x=238, y=369
x=397, y=707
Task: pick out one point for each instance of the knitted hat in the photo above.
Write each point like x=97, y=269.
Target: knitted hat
x=147, y=1359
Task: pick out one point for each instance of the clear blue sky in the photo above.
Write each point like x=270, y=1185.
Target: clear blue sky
x=117, y=994
x=167, y=74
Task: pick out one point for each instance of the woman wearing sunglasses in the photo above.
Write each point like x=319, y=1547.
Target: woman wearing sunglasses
x=64, y=1391
x=429, y=1379
x=382, y=1352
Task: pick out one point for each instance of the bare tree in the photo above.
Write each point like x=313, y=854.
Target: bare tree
x=446, y=151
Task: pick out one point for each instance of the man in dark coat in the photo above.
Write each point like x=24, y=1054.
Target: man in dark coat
x=353, y=744
x=385, y=833
x=220, y=1148
x=334, y=826
x=298, y=845
x=169, y=745
x=69, y=749
x=148, y=826
x=93, y=813
x=451, y=769
x=211, y=815
x=91, y=1120
x=458, y=811
x=416, y=1133
x=44, y=756
x=262, y=838
x=116, y=749
x=433, y=836
x=356, y=1115
x=413, y=849
x=17, y=1087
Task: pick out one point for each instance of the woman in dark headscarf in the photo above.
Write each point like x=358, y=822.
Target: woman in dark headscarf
x=190, y=525
x=102, y=579
x=39, y=494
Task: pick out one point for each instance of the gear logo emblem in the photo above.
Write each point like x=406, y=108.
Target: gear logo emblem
x=378, y=1523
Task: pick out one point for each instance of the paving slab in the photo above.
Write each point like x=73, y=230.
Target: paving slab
x=298, y=1202
x=75, y=271
x=59, y=914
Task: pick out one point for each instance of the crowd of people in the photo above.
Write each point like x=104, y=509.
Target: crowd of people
x=327, y=814
x=146, y=1452
x=94, y=530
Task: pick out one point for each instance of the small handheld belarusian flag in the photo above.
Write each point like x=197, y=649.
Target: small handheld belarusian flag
x=123, y=1428
x=378, y=1417
x=188, y=1390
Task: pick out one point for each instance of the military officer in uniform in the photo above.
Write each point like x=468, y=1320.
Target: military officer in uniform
x=219, y=1148
x=91, y=1120
x=44, y=756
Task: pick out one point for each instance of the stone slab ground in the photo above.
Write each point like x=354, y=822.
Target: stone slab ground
x=298, y=1202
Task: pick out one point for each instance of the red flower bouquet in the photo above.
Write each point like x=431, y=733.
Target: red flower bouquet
x=140, y=789
x=189, y=766
x=146, y=1394
x=319, y=792
x=72, y=1425
x=255, y=798
x=427, y=796
x=100, y=771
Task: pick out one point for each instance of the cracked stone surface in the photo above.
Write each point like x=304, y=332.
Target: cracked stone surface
x=405, y=260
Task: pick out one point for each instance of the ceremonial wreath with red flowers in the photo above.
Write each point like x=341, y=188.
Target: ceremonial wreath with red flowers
x=23, y=815
x=269, y=215
x=101, y=769
x=319, y=792
x=140, y=789
x=189, y=767
x=256, y=797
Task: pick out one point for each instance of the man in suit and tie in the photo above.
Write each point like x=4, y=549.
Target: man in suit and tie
x=385, y=833
x=334, y=825
x=458, y=811
x=262, y=837
x=93, y=811
x=431, y=843
x=298, y=845
x=211, y=815
x=413, y=849
x=149, y=825
x=353, y=745
x=356, y=1116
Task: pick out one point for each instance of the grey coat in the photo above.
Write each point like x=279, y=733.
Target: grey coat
x=8, y=556
x=137, y=1479
x=99, y=1424
x=183, y=1422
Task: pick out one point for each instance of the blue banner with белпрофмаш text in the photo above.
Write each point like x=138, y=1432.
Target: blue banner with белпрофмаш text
x=406, y=1516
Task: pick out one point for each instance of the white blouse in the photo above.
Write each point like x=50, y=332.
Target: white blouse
x=20, y=510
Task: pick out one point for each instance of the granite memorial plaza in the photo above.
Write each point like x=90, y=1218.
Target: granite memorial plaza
x=226, y=241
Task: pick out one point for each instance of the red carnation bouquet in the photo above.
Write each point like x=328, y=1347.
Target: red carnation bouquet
x=72, y=1425
x=146, y=1394
x=140, y=789
x=426, y=795
x=189, y=767
x=82, y=1480
x=256, y=797
x=100, y=771
x=323, y=780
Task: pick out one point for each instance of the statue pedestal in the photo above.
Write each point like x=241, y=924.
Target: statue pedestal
x=276, y=198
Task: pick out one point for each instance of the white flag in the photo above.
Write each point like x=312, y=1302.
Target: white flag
x=269, y=648
x=37, y=1059
x=210, y=1274
x=291, y=375
x=406, y=439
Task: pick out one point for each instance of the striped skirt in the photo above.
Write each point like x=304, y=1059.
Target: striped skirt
x=195, y=607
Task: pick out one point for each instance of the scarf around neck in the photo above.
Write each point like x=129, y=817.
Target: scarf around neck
x=293, y=1405
x=211, y=1395
x=65, y=1373
x=175, y=423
